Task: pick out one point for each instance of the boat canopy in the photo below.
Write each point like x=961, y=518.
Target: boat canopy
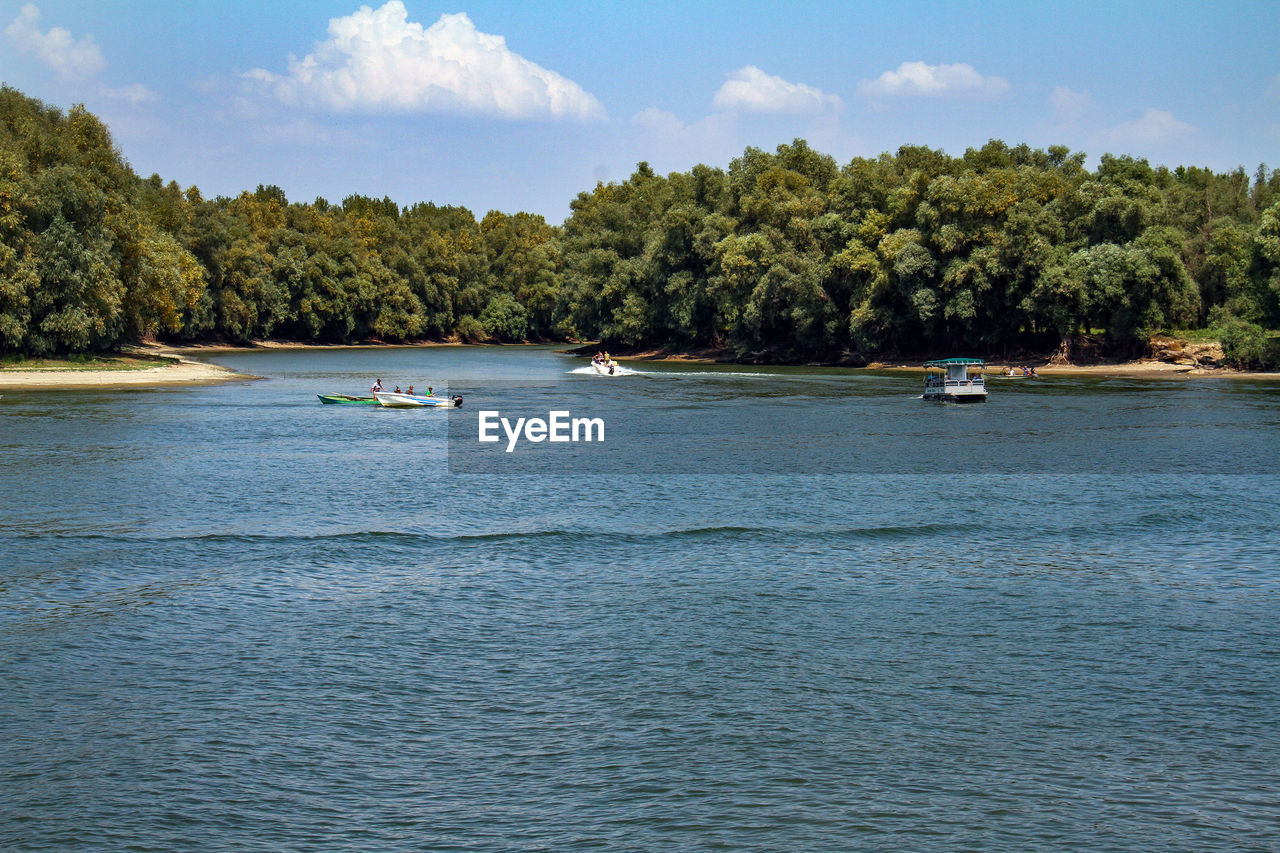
x=949, y=362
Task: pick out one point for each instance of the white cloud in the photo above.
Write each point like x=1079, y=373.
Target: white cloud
x=1154, y=127
x=70, y=59
x=751, y=90
x=134, y=94
x=1069, y=106
x=665, y=138
x=55, y=48
x=664, y=126
x=919, y=79
x=659, y=122
x=377, y=59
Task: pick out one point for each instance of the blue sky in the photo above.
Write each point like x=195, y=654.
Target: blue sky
x=522, y=105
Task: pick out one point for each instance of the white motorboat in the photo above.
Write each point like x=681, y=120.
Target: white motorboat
x=392, y=400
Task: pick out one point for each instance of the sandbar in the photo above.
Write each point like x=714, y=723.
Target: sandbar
x=180, y=369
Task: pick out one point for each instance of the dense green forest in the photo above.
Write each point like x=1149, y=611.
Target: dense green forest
x=784, y=255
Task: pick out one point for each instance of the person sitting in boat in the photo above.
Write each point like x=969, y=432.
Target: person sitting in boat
x=429, y=391
x=410, y=391
x=377, y=386
x=398, y=389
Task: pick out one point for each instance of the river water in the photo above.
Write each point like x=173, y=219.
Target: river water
x=775, y=609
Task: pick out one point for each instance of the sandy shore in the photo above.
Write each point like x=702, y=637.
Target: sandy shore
x=261, y=345
x=1146, y=368
x=181, y=370
x=1131, y=369
x=1149, y=369
x=185, y=369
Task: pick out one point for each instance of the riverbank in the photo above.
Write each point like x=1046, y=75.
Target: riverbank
x=175, y=365
x=186, y=365
x=1138, y=368
x=191, y=349
x=144, y=366
x=1144, y=369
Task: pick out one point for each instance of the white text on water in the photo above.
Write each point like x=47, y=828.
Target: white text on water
x=559, y=426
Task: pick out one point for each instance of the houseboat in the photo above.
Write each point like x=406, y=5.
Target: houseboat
x=958, y=380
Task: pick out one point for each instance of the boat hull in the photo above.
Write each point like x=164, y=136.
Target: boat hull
x=958, y=398
x=604, y=369
x=966, y=391
x=413, y=401
x=347, y=400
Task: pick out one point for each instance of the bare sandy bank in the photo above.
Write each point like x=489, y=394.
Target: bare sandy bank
x=186, y=365
x=179, y=369
x=1156, y=369
x=1143, y=368
x=1130, y=369
x=196, y=349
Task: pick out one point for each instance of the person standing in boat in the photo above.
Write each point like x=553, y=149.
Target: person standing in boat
x=377, y=386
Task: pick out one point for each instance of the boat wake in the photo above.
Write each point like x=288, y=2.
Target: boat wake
x=725, y=374
x=617, y=371
x=677, y=374
x=388, y=538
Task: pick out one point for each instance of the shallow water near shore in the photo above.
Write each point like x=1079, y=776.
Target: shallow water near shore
x=776, y=609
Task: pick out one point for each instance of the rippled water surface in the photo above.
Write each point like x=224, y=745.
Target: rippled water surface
x=232, y=618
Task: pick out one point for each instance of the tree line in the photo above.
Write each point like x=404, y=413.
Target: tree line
x=784, y=255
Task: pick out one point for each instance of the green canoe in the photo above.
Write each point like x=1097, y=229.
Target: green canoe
x=346, y=400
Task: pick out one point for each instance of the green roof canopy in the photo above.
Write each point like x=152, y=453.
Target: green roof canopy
x=947, y=362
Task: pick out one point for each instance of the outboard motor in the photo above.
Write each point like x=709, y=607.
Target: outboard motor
x=457, y=401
